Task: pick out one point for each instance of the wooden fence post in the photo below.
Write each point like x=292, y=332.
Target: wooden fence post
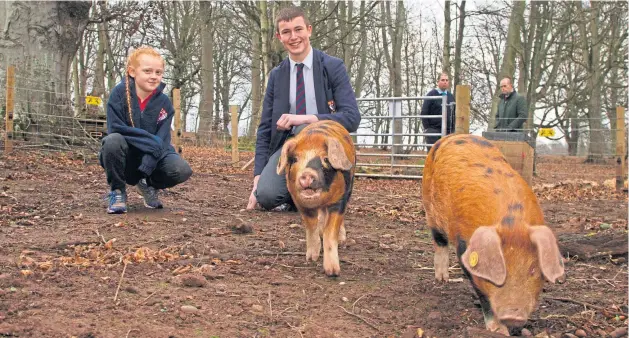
x=462, y=99
x=234, y=114
x=176, y=134
x=8, y=113
x=621, y=161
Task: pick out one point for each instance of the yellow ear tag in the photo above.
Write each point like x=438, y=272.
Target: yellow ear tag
x=473, y=258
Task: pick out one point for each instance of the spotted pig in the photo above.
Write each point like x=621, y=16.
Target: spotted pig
x=477, y=203
x=319, y=164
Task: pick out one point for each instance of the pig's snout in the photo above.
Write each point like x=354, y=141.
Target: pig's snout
x=307, y=179
x=513, y=318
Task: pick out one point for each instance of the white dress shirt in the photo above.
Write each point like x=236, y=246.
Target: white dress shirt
x=311, y=101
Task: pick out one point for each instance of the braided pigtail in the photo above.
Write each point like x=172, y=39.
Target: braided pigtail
x=129, y=100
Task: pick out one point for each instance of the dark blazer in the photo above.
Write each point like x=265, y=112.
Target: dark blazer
x=335, y=101
x=433, y=107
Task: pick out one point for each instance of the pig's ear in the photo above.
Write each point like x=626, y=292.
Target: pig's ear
x=548, y=255
x=483, y=257
x=286, y=150
x=336, y=155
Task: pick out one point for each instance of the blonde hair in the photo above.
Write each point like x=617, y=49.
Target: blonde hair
x=132, y=61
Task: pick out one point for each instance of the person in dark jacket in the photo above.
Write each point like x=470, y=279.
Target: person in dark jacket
x=433, y=107
x=512, y=108
x=306, y=87
x=137, y=150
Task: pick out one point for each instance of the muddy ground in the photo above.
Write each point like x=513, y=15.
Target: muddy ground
x=70, y=270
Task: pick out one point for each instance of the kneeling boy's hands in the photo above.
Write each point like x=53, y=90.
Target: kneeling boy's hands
x=288, y=121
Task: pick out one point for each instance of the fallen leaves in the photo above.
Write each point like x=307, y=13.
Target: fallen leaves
x=93, y=255
x=110, y=244
x=576, y=190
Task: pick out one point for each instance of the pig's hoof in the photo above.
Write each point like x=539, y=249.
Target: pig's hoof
x=332, y=270
x=342, y=235
x=312, y=255
x=495, y=326
x=441, y=275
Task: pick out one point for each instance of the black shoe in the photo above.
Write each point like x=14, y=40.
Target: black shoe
x=285, y=207
x=151, y=199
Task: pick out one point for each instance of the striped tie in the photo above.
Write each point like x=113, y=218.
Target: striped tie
x=300, y=98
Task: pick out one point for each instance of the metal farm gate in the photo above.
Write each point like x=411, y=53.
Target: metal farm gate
x=383, y=151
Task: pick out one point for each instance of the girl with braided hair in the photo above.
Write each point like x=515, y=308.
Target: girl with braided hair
x=137, y=150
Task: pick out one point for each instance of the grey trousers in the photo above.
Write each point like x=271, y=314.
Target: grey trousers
x=431, y=139
x=121, y=161
x=272, y=191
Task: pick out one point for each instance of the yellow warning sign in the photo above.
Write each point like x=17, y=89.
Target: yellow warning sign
x=93, y=100
x=546, y=132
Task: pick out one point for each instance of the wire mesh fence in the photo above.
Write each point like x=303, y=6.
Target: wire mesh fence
x=43, y=117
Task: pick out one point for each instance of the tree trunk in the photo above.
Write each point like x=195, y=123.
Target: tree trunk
x=446, y=36
x=458, y=46
x=216, y=123
x=256, y=94
x=109, y=60
x=82, y=75
x=349, y=37
x=397, y=67
x=395, y=63
x=592, y=56
x=573, y=140
x=360, y=75
x=617, y=59
x=224, y=90
x=527, y=46
x=207, y=75
x=264, y=33
x=386, y=20
x=98, y=88
x=41, y=38
x=378, y=90
x=508, y=61
x=76, y=89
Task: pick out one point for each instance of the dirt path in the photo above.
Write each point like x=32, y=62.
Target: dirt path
x=62, y=256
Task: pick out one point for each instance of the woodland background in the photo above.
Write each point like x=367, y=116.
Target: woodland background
x=569, y=58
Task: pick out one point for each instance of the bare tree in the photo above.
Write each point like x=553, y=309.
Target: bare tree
x=591, y=52
x=446, y=36
x=458, y=46
x=206, y=105
x=394, y=32
x=32, y=36
x=508, y=62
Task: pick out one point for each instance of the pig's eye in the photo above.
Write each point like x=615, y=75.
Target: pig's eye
x=326, y=160
x=292, y=159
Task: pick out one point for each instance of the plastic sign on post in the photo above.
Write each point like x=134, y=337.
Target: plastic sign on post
x=93, y=100
x=546, y=132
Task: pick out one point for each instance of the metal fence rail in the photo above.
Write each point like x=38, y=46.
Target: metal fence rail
x=396, y=152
